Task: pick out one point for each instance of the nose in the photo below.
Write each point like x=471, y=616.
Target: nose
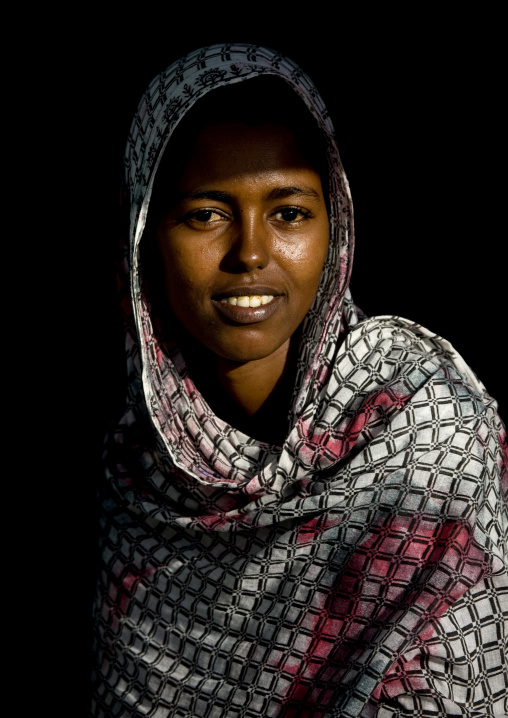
x=249, y=247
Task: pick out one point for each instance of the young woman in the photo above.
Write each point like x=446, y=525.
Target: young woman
x=303, y=513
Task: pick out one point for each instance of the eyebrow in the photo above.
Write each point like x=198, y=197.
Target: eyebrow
x=207, y=194
x=276, y=193
x=283, y=192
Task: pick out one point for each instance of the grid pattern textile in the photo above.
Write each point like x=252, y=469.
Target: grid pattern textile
x=360, y=570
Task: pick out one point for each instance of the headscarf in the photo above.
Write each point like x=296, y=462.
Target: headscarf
x=360, y=568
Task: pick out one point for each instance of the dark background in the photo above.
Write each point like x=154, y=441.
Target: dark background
x=416, y=103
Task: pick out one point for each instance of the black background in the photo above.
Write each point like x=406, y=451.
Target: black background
x=416, y=104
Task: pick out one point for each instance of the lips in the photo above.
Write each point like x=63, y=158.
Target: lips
x=247, y=305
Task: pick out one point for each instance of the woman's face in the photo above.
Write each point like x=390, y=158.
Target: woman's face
x=244, y=246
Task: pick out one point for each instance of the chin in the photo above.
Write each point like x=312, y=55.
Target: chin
x=244, y=355
x=242, y=352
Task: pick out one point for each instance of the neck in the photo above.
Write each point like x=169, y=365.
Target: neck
x=251, y=396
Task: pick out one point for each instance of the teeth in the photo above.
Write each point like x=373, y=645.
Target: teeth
x=255, y=300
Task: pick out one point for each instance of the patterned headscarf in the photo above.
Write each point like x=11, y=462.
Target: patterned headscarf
x=360, y=568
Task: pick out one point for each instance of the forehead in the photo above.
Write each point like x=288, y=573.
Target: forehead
x=235, y=150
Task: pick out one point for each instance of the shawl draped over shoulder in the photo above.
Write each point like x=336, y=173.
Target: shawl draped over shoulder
x=360, y=569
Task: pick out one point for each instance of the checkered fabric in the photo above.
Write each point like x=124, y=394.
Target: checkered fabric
x=359, y=570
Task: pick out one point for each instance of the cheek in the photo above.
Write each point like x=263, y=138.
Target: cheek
x=304, y=262
x=318, y=252
x=188, y=268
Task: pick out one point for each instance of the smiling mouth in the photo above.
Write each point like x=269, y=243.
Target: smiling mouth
x=247, y=308
x=254, y=300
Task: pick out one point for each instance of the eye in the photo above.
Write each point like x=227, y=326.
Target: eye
x=204, y=219
x=292, y=215
x=205, y=216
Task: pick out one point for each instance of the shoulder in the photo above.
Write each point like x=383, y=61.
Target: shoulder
x=404, y=344
x=440, y=427
x=426, y=388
